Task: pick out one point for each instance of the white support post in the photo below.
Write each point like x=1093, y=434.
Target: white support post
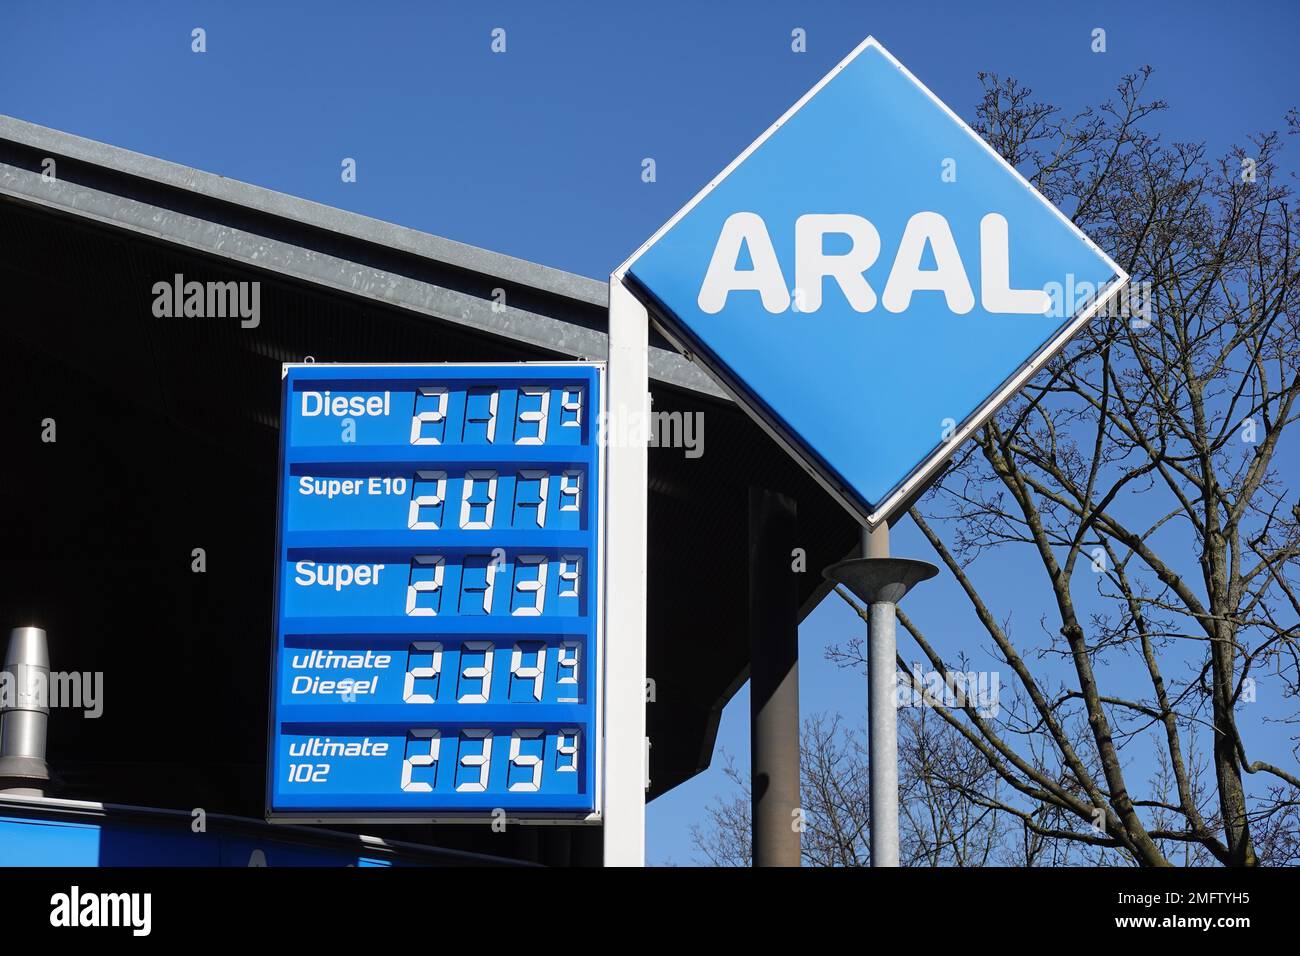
x=627, y=469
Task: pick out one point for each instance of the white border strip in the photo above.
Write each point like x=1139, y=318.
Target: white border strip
x=626, y=528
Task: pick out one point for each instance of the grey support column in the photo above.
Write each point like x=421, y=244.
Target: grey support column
x=881, y=581
x=774, y=678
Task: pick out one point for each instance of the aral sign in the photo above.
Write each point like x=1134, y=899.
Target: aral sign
x=871, y=281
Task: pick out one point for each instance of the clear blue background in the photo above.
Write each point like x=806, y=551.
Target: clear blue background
x=538, y=152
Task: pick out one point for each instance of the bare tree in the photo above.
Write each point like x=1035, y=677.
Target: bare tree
x=1139, y=470
x=833, y=794
x=944, y=818
x=940, y=827
x=724, y=838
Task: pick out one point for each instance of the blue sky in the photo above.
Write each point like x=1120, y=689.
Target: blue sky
x=538, y=152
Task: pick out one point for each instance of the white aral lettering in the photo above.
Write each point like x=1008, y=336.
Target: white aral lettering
x=813, y=265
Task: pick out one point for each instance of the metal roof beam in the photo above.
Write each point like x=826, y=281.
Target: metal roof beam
x=258, y=228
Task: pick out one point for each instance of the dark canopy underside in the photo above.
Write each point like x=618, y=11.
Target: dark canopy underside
x=167, y=442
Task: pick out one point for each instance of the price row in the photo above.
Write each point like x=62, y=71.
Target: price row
x=466, y=760
x=491, y=584
x=546, y=671
x=469, y=415
x=468, y=499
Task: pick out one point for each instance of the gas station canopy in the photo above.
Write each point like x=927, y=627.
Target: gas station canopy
x=167, y=443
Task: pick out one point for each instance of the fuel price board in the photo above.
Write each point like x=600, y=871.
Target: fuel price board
x=437, y=593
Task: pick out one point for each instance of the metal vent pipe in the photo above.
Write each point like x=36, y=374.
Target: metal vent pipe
x=25, y=713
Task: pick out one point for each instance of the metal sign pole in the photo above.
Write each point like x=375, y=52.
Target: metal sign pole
x=882, y=714
x=881, y=581
x=625, y=434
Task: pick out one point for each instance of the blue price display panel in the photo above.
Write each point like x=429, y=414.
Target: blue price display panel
x=437, y=592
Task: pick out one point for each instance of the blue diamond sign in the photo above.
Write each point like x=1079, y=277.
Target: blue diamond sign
x=871, y=281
